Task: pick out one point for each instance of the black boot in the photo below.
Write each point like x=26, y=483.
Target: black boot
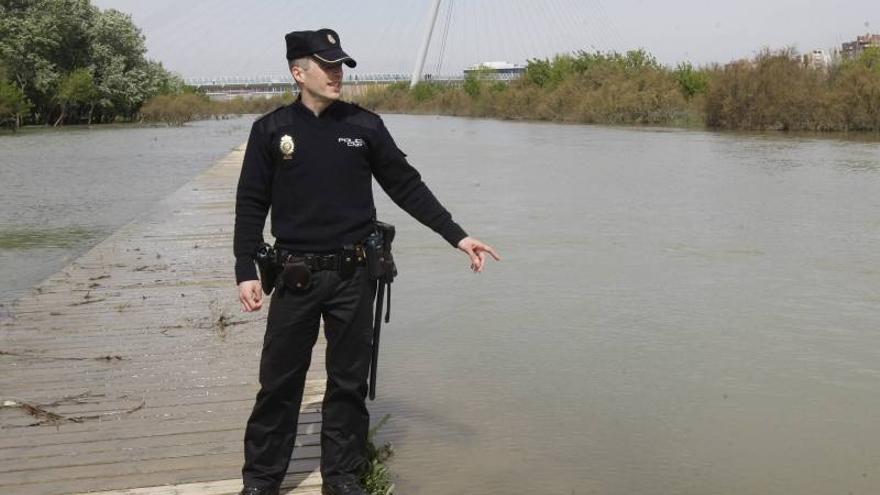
x=252, y=490
x=342, y=488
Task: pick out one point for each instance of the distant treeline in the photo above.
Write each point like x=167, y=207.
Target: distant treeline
x=66, y=61
x=774, y=90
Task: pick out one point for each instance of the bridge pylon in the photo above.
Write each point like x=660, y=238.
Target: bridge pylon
x=423, y=52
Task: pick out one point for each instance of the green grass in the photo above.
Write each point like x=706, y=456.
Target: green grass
x=58, y=237
x=378, y=478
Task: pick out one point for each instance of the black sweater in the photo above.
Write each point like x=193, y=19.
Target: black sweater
x=320, y=189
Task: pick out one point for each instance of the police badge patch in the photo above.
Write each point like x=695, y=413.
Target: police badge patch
x=287, y=147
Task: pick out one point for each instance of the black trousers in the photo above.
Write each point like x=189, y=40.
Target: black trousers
x=346, y=306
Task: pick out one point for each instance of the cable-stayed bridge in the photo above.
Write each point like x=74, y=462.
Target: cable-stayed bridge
x=272, y=84
x=225, y=87
x=455, y=37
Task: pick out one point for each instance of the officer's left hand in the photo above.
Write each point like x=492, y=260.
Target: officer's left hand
x=477, y=251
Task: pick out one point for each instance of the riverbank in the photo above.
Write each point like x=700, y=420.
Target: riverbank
x=98, y=126
x=177, y=109
x=170, y=115
x=772, y=91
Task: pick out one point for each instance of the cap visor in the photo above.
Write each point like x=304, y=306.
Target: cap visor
x=335, y=56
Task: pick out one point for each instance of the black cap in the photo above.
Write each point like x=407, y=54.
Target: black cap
x=322, y=44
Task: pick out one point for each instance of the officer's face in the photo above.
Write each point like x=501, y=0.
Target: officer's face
x=320, y=80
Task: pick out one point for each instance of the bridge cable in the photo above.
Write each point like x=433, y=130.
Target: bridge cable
x=444, y=37
x=591, y=37
x=570, y=27
x=609, y=37
x=615, y=32
x=534, y=36
x=561, y=29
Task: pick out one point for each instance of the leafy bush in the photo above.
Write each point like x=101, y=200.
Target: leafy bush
x=424, y=91
x=776, y=90
x=175, y=109
x=471, y=85
x=692, y=82
x=180, y=108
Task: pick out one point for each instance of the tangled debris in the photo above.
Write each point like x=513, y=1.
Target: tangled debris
x=32, y=355
x=87, y=299
x=221, y=319
x=46, y=417
x=151, y=268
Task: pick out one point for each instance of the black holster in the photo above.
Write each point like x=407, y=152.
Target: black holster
x=267, y=263
x=377, y=247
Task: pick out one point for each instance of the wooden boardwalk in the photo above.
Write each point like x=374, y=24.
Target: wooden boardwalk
x=133, y=371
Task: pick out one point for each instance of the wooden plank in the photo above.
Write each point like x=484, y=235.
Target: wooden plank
x=82, y=435
x=136, y=371
x=142, y=420
x=162, y=395
x=177, y=477
x=217, y=438
x=309, y=484
x=54, y=465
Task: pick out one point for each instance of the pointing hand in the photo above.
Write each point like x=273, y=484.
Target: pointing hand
x=477, y=251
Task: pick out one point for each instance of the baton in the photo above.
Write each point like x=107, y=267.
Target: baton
x=377, y=327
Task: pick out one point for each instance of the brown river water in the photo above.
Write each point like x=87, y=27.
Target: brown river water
x=677, y=312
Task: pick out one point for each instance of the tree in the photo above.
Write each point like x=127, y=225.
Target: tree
x=538, y=72
x=76, y=91
x=12, y=104
x=692, y=82
x=121, y=71
x=474, y=80
x=855, y=86
x=870, y=59
x=40, y=41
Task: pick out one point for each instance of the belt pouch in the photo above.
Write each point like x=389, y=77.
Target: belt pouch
x=347, y=262
x=297, y=276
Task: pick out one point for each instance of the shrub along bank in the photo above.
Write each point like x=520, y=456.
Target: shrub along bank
x=179, y=108
x=774, y=90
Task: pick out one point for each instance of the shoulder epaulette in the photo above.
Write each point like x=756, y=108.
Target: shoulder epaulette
x=270, y=112
x=361, y=116
x=365, y=110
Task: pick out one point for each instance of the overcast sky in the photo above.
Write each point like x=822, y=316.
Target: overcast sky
x=209, y=38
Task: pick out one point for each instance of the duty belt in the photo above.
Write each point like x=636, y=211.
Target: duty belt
x=318, y=262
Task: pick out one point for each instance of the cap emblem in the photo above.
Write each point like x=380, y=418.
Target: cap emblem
x=287, y=147
x=331, y=39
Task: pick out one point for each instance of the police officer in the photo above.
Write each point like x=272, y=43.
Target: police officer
x=312, y=164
